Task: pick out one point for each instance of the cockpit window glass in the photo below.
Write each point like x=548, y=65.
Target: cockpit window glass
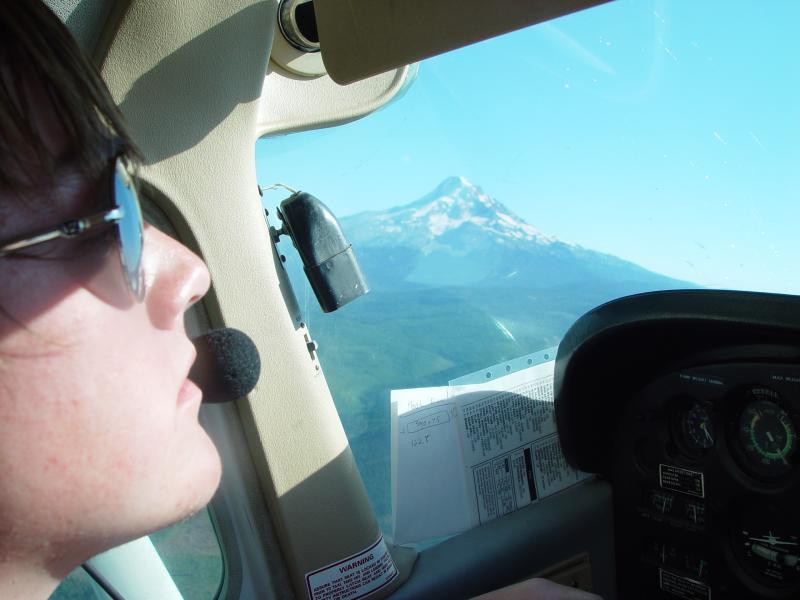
x=190, y=552
x=79, y=586
x=635, y=146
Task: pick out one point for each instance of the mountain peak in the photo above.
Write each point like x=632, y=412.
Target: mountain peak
x=453, y=213
x=457, y=235
x=453, y=183
x=457, y=202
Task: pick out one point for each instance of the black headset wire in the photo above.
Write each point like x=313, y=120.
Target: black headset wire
x=102, y=582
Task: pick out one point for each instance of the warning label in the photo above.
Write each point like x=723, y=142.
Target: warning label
x=355, y=576
x=683, y=587
x=678, y=479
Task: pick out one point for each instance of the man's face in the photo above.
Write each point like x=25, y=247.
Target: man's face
x=99, y=437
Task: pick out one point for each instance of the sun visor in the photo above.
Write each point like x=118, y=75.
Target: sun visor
x=361, y=38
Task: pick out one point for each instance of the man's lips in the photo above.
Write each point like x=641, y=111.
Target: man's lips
x=189, y=393
x=189, y=389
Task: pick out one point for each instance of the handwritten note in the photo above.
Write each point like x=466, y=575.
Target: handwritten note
x=426, y=459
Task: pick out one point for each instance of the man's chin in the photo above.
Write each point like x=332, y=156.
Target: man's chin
x=206, y=481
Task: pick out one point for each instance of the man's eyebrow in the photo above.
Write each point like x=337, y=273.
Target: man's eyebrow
x=67, y=157
x=71, y=157
x=70, y=161
x=74, y=156
x=87, y=192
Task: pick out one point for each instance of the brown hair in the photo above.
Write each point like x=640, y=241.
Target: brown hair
x=37, y=52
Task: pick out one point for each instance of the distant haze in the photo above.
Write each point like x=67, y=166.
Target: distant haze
x=617, y=150
x=459, y=235
x=458, y=282
x=664, y=133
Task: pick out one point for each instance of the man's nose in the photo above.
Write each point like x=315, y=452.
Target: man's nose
x=175, y=278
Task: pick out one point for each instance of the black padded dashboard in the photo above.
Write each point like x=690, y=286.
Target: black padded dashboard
x=689, y=403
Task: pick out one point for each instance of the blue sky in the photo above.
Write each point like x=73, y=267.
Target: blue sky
x=665, y=133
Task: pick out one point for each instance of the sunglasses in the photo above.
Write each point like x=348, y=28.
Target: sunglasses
x=126, y=215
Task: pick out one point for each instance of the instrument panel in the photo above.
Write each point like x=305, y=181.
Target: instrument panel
x=706, y=476
x=688, y=401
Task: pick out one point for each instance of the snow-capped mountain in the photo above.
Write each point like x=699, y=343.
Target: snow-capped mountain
x=459, y=235
x=456, y=203
x=458, y=282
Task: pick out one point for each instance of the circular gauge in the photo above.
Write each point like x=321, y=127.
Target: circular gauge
x=697, y=427
x=767, y=435
x=767, y=544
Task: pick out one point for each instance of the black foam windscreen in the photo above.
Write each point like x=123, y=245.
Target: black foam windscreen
x=227, y=365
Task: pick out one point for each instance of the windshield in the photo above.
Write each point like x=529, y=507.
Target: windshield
x=519, y=182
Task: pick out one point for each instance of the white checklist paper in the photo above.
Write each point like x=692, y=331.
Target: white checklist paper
x=464, y=455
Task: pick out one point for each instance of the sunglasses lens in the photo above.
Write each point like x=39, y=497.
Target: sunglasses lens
x=130, y=230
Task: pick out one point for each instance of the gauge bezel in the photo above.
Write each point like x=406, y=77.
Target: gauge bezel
x=775, y=463
x=679, y=407
x=737, y=402
x=742, y=565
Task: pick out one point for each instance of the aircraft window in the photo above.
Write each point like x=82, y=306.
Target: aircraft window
x=192, y=554
x=521, y=181
x=190, y=551
x=79, y=586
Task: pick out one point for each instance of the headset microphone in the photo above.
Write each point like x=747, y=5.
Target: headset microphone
x=227, y=365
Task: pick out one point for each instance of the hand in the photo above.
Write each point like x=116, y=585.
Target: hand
x=538, y=589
